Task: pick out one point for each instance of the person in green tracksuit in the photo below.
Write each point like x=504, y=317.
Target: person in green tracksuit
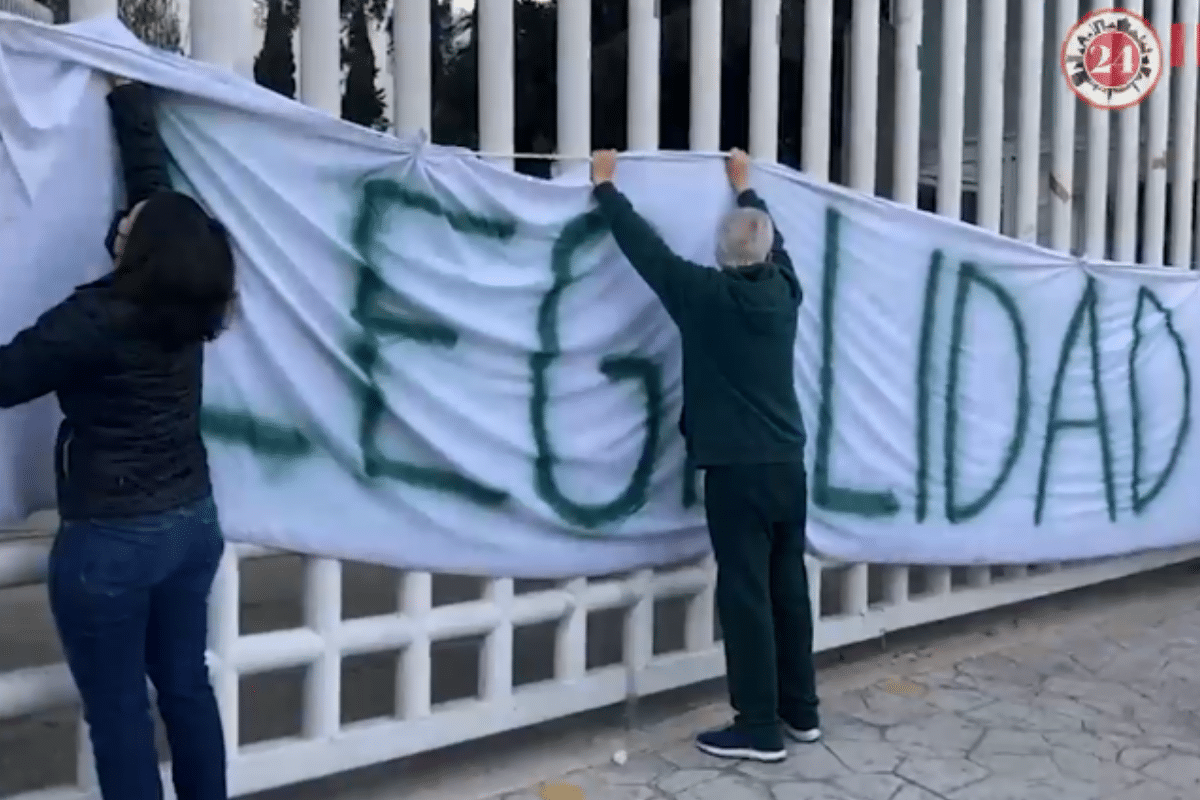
x=742, y=424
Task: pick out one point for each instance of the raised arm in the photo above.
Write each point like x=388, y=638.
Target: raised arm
x=143, y=154
x=738, y=168
x=679, y=283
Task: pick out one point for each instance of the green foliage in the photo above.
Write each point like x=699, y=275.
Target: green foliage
x=275, y=65
x=363, y=100
x=155, y=22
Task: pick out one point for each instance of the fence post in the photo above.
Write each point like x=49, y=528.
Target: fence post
x=643, y=77
x=412, y=71
x=220, y=31
x=497, y=79
x=320, y=65
x=90, y=9
x=574, y=78
x=765, y=25
x=706, y=75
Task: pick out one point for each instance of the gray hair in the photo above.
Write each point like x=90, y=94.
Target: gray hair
x=745, y=238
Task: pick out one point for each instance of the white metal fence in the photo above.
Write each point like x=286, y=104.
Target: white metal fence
x=26, y=8
x=983, y=109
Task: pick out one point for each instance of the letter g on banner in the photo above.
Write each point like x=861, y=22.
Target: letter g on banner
x=578, y=233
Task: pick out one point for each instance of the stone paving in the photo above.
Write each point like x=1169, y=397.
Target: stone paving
x=1109, y=710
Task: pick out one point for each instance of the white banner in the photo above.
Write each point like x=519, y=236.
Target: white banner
x=442, y=365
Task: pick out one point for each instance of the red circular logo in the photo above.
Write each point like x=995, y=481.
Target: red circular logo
x=1112, y=59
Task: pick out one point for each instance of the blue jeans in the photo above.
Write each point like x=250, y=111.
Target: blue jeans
x=130, y=599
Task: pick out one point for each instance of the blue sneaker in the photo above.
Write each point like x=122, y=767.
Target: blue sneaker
x=802, y=735
x=733, y=743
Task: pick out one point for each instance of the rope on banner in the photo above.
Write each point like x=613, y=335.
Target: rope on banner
x=660, y=154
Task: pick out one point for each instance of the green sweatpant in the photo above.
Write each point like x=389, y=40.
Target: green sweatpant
x=756, y=518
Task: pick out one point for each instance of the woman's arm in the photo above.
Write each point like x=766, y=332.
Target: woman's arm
x=66, y=345
x=143, y=154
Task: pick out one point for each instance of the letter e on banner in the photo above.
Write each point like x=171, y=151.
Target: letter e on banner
x=1112, y=59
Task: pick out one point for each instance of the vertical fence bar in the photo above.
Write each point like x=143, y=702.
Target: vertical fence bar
x=815, y=576
x=864, y=93
x=80, y=10
x=224, y=607
x=85, y=760
x=1192, y=263
x=907, y=166
x=1029, y=130
x=1099, y=150
x=1125, y=220
x=706, y=75
x=895, y=585
x=1158, y=124
x=414, y=678
x=701, y=611
x=220, y=29
x=497, y=76
x=1062, y=154
x=644, y=47
x=979, y=577
x=1095, y=204
x=638, y=635
x=1184, y=150
x=990, y=153
x=764, y=79
x=954, y=87
x=412, y=66
x=323, y=615
x=570, y=643
x=940, y=580
x=818, y=89
x=574, y=77
x=855, y=590
x=320, y=55
x=497, y=667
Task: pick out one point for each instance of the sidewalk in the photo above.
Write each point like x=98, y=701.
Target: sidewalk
x=1106, y=706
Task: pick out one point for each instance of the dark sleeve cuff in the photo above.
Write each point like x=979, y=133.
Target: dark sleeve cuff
x=606, y=189
x=130, y=98
x=749, y=199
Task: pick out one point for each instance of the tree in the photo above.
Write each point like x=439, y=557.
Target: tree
x=155, y=22
x=275, y=65
x=363, y=100
x=456, y=102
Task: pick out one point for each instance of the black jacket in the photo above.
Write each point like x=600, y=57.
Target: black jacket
x=738, y=328
x=130, y=442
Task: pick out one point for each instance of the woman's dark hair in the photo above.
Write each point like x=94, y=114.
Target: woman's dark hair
x=177, y=270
